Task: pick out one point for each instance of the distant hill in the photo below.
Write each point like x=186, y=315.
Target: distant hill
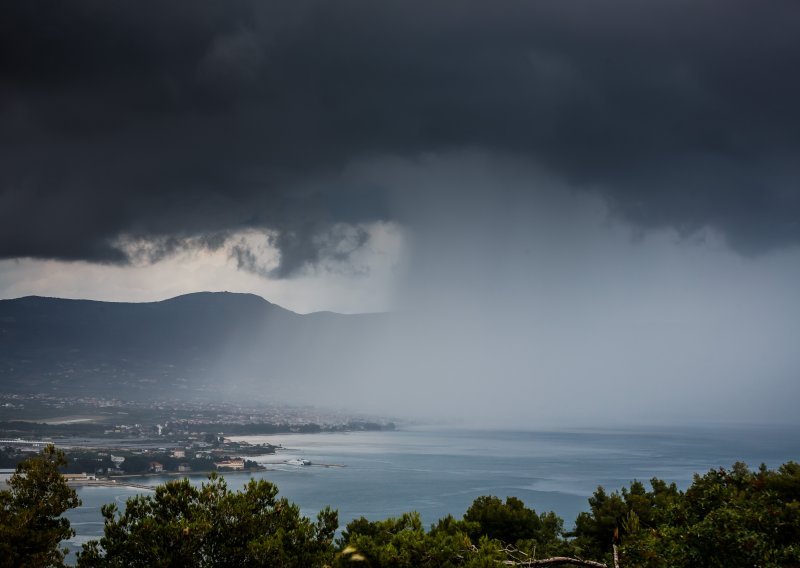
x=192, y=343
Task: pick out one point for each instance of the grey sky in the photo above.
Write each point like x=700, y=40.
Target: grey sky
x=569, y=197
x=541, y=307
x=192, y=120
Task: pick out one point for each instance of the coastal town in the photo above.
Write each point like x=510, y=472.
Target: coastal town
x=94, y=464
x=106, y=440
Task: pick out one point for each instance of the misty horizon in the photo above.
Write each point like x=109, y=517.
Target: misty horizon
x=406, y=366
x=568, y=215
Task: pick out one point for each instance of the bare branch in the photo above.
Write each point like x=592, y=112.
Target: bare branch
x=556, y=561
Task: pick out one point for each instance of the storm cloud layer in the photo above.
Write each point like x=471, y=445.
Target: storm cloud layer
x=133, y=130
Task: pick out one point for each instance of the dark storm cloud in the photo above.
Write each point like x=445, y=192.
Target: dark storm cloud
x=169, y=121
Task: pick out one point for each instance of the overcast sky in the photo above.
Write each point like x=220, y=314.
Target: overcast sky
x=604, y=195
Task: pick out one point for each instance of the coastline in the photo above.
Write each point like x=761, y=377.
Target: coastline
x=122, y=480
x=441, y=472
x=110, y=483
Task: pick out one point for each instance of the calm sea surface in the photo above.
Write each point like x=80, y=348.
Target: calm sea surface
x=437, y=472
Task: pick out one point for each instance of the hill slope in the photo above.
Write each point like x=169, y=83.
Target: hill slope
x=142, y=350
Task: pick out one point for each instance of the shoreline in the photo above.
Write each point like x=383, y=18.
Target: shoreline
x=110, y=483
x=121, y=481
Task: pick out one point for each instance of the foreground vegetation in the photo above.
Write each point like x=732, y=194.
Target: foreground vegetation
x=727, y=517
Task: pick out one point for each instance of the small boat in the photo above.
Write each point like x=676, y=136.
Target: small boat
x=298, y=461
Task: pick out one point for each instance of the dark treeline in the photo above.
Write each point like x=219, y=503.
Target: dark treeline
x=733, y=517
x=34, y=429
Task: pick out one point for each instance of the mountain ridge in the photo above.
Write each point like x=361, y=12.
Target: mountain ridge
x=190, y=342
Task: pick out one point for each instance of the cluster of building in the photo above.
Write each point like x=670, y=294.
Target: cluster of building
x=227, y=463
x=196, y=459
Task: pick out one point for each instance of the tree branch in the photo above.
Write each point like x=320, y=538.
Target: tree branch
x=556, y=561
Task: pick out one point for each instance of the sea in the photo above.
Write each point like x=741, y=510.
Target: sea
x=437, y=471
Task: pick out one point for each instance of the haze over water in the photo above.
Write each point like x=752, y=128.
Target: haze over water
x=440, y=472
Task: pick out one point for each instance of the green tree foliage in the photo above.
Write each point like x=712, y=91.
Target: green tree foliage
x=31, y=525
x=184, y=525
x=616, y=513
x=512, y=523
x=397, y=542
x=508, y=522
x=402, y=542
x=734, y=518
x=491, y=532
x=726, y=518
